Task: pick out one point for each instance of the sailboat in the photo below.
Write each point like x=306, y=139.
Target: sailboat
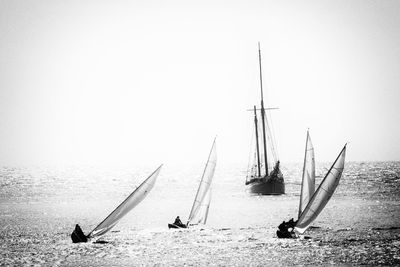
x=201, y=204
x=259, y=179
x=323, y=194
x=312, y=203
x=124, y=208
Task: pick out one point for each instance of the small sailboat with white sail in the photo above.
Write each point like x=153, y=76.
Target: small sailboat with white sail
x=201, y=204
x=260, y=178
x=312, y=203
x=323, y=194
x=124, y=208
x=307, y=188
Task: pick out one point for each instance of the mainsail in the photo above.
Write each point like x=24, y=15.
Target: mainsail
x=322, y=194
x=127, y=205
x=202, y=214
x=205, y=183
x=308, y=179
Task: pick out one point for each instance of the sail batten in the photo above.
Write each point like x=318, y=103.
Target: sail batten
x=323, y=194
x=127, y=205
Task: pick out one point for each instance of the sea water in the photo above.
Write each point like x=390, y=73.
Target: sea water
x=39, y=207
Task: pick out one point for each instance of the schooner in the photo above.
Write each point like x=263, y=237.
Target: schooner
x=260, y=178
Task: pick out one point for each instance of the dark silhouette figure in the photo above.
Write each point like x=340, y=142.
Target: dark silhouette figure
x=78, y=236
x=178, y=222
x=286, y=229
x=291, y=224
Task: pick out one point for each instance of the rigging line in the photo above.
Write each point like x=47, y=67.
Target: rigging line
x=273, y=135
x=272, y=142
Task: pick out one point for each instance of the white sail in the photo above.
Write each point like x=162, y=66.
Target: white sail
x=205, y=183
x=308, y=179
x=127, y=205
x=322, y=194
x=202, y=214
x=207, y=202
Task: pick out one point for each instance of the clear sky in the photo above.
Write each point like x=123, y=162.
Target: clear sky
x=87, y=82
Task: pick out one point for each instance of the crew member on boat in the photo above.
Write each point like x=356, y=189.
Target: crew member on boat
x=178, y=221
x=286, y=229
x=78, y=236
x=291, y=224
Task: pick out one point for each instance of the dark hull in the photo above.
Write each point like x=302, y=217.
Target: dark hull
x=174, y=226
x=280, y=234
x=267, y=187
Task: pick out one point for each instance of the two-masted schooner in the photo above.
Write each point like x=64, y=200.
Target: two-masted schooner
x=260, y=178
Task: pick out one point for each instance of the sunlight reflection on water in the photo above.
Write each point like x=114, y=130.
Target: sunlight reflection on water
x=40, y=206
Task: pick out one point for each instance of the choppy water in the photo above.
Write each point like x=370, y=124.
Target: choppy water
x=40, y=206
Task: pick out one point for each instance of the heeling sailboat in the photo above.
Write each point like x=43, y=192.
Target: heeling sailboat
x=201, y=204
x=323, y=194
x=124, y=208
x=306, y=190
x=259, y=179
x=312, y=203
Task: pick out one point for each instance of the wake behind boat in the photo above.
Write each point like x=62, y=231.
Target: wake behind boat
x=201, y=203
x=124, y=208
x=259, y=179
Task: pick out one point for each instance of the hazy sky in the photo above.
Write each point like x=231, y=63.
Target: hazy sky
x=84, y=82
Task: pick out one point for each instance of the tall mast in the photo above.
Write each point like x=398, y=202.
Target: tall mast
x=263, y=113
x=257, y=145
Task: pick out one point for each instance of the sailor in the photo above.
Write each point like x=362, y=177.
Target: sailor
x=283, y=231
x=291, y=224
x=178, y=221
x=282, y=227
x=77, y=235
